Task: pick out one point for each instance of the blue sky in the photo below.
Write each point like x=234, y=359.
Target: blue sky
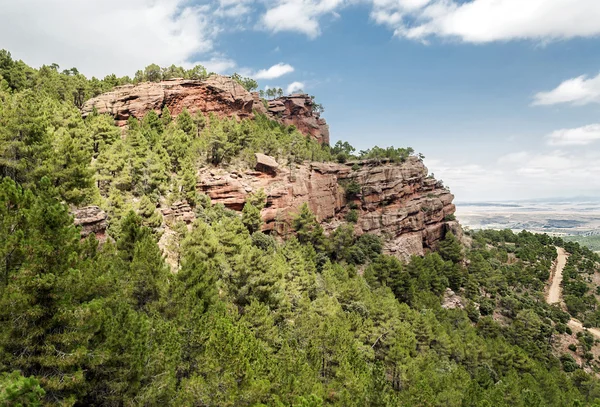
x=501, y=96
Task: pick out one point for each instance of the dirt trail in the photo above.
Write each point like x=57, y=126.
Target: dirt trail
x=555, y=291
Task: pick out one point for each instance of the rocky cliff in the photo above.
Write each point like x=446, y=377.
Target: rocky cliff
x=410, y=210
x=220, y=95
x=399, y=202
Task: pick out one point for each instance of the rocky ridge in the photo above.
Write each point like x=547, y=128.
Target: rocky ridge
x=218, y=94
x=396, y=201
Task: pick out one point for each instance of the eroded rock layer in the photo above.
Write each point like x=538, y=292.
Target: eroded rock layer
x=91, y=219
x=397, y=201
x=218, y=94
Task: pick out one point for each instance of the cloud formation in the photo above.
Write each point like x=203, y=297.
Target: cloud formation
x=483, y=21
x=580, y=136
x=577, y=91
x=522, y=174
x=273, y=72
x=109, y=36
x=294, y=87
x=299, y=15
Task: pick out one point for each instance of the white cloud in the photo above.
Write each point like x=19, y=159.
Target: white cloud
x=522, y=175
x=219, y=64
x=294, y=87
x=577, y=91
x=273, y=72
x=579, y=136
x=234, y=8
x=481, y=21
x=299, y=15
x=108, y=36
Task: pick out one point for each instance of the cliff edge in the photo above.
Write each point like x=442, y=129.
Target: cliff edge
x=399, y=202
x=218, y=94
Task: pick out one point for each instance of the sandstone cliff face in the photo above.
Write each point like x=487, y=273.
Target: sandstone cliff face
x=218, y=94
x=91, y=219
x=397, y=201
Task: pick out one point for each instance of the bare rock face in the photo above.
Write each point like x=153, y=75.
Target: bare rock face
x=218, y=94
x=179, y=211
x=91, y=219
x=298, y=110
x=397, y=201
x=452, y=300
x=266, y=163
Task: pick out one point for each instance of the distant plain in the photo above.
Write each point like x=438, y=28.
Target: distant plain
x=575, y=220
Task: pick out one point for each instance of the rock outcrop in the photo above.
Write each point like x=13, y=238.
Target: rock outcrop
x=397, y=201
x=179, y=211
x=91, y=219
x=218, y=94
x=298, y=110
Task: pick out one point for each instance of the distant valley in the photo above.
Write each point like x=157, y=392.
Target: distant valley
x=575, y=220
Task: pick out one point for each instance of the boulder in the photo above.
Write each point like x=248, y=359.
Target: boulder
x=266, y=163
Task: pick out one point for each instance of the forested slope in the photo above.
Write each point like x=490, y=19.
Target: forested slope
x=248, y=320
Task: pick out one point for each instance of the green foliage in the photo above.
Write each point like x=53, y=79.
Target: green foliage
x=248, y=83
x=352, y=216
x=247, y=320
x=352, y=189
x=450, y=248
x=396, y=155
x=16, y=390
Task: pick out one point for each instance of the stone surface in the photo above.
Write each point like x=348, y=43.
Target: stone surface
x=451, y=300
x=264, y=163
x=91, y=219
x=179, y=211
x=397, y=201
x=297, y=110
x=218, y=94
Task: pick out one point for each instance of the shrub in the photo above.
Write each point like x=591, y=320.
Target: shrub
x=449, y=218
x=487, y=306
x=573, y=347
x=352, y=216
x=568, y=363
x=352, y=188
x=263, y=241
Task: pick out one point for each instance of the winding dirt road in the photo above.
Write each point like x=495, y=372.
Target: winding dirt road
x=554, y=295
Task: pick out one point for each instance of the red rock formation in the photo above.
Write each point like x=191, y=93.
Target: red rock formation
x=91, y=219
x=397, y=201
x=297, y=110
x=218, y=94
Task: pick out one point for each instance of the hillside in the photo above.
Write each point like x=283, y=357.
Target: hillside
x=161, y=248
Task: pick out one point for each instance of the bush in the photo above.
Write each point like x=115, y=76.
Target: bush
x=487, y=306
x=352, y=189
x=573, y=347
x=352, y=216
x=568, y=363
x=263, y=241
x=568, y=331
x=449, y=218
